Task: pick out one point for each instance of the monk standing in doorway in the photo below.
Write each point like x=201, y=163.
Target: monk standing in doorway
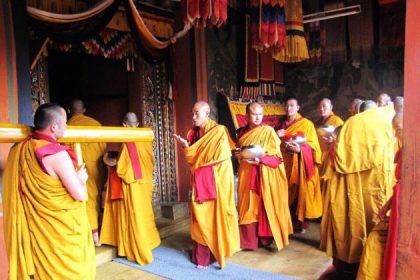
x=92, y=155
x=129, y=221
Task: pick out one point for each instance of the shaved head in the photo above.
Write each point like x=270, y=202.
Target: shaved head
x=325, y=108
x=201, y=105
x=201, y=113
x=251, y=106
x=130, y=120
x=399, y=104
x=354, y=106
x=255, y=114
x=368, y=104
x=326, y=101
x=47, y=114
x=383, y=99
x=77, y=106
x=51, y=119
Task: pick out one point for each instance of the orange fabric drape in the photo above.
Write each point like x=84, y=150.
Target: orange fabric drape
x=148, y=39
x=69, y=18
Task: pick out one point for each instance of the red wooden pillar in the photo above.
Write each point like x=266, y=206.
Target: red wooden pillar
x=8, y=101
x=408, y=254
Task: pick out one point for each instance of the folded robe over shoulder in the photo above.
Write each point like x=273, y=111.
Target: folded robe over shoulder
x=214, y=223
x=360, y=185
x=47, y=232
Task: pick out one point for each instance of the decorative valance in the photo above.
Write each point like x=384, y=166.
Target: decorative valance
x=107, y=43
x=73, y=28
x=78, y=27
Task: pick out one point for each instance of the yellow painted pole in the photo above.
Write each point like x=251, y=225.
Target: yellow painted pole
x=13, y=133
x=78, y=151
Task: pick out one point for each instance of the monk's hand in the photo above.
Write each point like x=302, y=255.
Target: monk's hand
x=183, y=142
x=237, y=154
x=329, y=139
x=293, y=146
x=82, y=173
x=281, y=132
x=384, y=210
x=109, y=161
x=253, y=161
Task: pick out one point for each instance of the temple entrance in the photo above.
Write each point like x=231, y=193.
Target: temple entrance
x=110, y=88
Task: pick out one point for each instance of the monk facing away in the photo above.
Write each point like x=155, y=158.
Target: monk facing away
x=129, y=222
x=360, y=184
x=46, y=227
x=92, y=155
x=302, y=155
x=379, y=258
x=214, y=223
x=263, y=201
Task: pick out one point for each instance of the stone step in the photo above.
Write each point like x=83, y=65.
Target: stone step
x=174, y=210
x=167, y=227
x=105, y=254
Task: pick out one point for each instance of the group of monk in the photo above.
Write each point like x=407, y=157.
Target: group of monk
x=340, y=171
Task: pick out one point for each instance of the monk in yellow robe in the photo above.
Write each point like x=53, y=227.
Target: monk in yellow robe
x=325, y=127
x=302, y=155
x=129, y=221
x=214, y=222
x=263, y=201
x=354, y=106
x=92, y=155
x=379, y=258
x=46, y=227
x=383, y=100
x=361, y=183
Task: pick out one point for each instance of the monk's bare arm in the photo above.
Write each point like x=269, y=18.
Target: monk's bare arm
x=60, y=166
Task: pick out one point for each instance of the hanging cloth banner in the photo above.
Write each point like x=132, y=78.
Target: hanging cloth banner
x=296, y=49
x=252, y=70
x=272, y=113
x=267, y=24
x=260, y=66
x=202, y=13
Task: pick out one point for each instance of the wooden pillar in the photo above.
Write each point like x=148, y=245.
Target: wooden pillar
x=408, y=252
x=8, y=99
x=184, y=97
x=200, y=64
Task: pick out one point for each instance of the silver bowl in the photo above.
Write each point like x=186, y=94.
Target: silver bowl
x=300, y=140
x=326, y=130
x=252, y=151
